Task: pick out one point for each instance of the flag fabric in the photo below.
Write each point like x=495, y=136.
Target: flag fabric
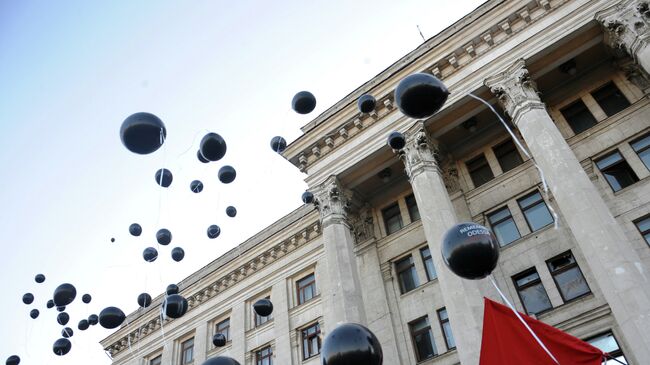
x=506, y=341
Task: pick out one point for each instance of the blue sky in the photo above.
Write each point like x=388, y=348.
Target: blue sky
x=72, y=71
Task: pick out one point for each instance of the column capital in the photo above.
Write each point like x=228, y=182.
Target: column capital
x=515, y=89
x=626, y=26
x=420, y=152
x=333, y=202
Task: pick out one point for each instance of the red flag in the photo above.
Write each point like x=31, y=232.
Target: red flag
x=506, y=341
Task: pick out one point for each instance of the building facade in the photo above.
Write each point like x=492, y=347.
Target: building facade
x=571, y=79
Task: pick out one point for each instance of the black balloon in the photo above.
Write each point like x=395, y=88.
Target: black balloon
x=231, y=211
x=214, y=231
x=50, y=303
x=221, y=360
x=307, y=197
x=278, y=144
x=143, y=133
x=227, y=174
x=178, y=254
x=111, y=317
x=470, y=250
x=303, y=102
x=196, y=186
x=366, y=103
x=34, y=313
x=396, y=140
x=62, y=346
x=174, y=306
x=200, y=157
x=420, y=95
x=150, y=254
x=351, y=343
x=28, y=298
x=64, y=294
x=86, y=298
x=144, y=300
x=213, y=147
x=93, y=319
x=83, y=325
x=67, y=332
x=39, y=278
x=219, y=340
x=61, y=308
x=164, y=178
x=63, y=318
x=172, y=289
x=13, y=360
x=135, y=229
x=112, y=239
x=163, y=236
x=263, y=307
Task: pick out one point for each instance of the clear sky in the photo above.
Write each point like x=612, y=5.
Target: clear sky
x=72, y=71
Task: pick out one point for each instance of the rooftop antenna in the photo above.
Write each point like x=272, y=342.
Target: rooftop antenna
x=421, y=35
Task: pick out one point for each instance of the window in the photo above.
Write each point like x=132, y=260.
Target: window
x=568, y=277
x=643, y=225
x=578, y=116
x=507, y=155
x=535, y=211
x=412, y=206
x=156, y=360
x=531, y=292
x=311, y=341
x=607, y=343
x=306, y=288
x=503, y=226
x=425, y=348
x=428, y=263
x=446, y=328
x=479, y=170
x=642, y=147
x=259, y=320
x=408, y=278
x=610, y=99
x=392, y=218
x=264, y=356
x=187, y=351
x=618, y=173
x=223, y=327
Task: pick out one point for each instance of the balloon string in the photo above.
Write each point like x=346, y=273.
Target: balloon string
x=522, y=320
x=525, y=152
x=193, y=141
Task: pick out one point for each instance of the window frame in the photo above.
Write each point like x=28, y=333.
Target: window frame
x=424, y=330
x=602, y=87
x=471, y=170
x=538, y=281
x=150, y=360
x=260, y=356
x=501, y=220
x=532, y=205
x=217, y=330
x=442, y=328
x=622, y=160
x=638, y=228
x=613, y=354
x=394, y=205
x=568, y=120
x=498, y=156
x=564, y=269
x=411, y=269
x=642, y=149
x=184, y=348
x=424, y=262
x=300, y=289
x=412, y=207
x=307, y=338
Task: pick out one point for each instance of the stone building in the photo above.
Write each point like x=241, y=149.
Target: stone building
x=571, y=79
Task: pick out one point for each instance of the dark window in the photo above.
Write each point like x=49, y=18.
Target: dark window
x=616, y=170
x=610, y=99
x=607, y=343
x=156, y=360
x=503, y=226
x=428, y=263
x=507, y=155
x=531, y=292
x=412, y=206
x=642, y=147
x=535, y=210
x=259, y=320
x=479, y=170
x=408, y=278
x=392, y=218
x=264, y=356
x=643, y=225
x=425, y=348
x=446, y=328
x=311, y=341
x=568, y=277
x=187, y=351
x=223, y=327
x=578, y=116
x=306, y=288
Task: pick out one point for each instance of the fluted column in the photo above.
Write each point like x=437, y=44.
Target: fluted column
x=462, y=298
x=627, y=30
x=341, y=289
x=614, y=263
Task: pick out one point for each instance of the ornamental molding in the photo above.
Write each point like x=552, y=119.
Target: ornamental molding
x=626, y=26
x=212, y=289
x=420, y=152
x=333, y=201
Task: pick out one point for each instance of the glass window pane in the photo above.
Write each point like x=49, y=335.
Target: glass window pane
x=499, y=215
x=641, y=144
x=571, y=283
x=408, y=280
x=392, y=218
x=645, y=157
x=527, y=279
x=506, y=232
x=404, y=263
x=431, y=270
x=479, y=171
x=507, y=156
x=578, y=116
x=420, y=324
x=529, y=200
x=538, y=216
x=424, y=345
x=610, y=99
x=449, y=337
x=620, y=176
x=414, y=212
x=535, y=299
x=643, y=224
x=609, y=160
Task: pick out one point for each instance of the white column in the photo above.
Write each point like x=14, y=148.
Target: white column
x=200, y=342
x=615, y=265
x=280, y=300
x=341, y=289
x=463, y=300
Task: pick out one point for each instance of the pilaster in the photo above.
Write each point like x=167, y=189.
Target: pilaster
x=200, y=342
x=279, y=297
x=238, y=332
